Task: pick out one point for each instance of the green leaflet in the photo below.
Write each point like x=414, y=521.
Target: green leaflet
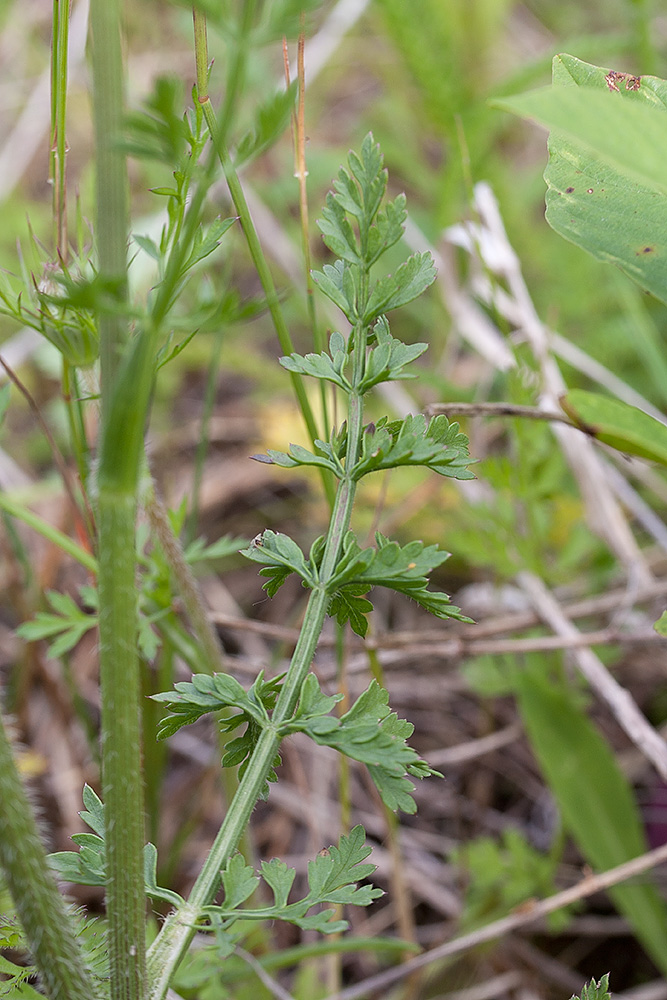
x=596, y=802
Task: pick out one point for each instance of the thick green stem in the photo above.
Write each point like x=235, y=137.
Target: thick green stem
x=124, y=403
x=41, y=908
x=112, y=205
x=121, y=742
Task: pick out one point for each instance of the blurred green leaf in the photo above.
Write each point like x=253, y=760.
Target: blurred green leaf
x=661, y=624
x=271, y=120
x=624, y=131
x=606, y=177
x=596, y=803
x=618, y=424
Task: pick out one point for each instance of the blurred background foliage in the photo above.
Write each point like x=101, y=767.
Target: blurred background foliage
x=421, y=75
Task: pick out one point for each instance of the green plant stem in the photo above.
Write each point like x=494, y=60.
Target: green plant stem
x=59, y=52
x=235, y=75
x=121, y=745
x=208, y=407
x=172, y=943
x=645, y=46
x=252, y=239
x=112, y=204
x=42, y=911
x=125, y=394
x=77, y=432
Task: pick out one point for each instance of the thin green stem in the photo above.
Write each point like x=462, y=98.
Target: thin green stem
x=59, y=52
x=178, y=930
x=254, y=247
x=645, y=44
x=187, y=583
x=77, y=433
x=42, y=911
x=204, y=431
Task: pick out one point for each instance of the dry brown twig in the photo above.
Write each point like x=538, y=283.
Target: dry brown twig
x=604, y=514
x=621, y=703
x=589, y=885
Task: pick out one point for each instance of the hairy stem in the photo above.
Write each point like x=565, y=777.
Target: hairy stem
x=121, y=442
x=41, y=908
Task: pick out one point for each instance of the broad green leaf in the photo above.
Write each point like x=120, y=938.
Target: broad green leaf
x=332, y=878
x=388, y=357
x=320, y=366
x=437, y=445
x=595, y=800
x=93, y=814
x=349, y=605
x=661, y=624
x=312, y=702
x=404, y=569
x=370, y=733
x=618, y=424
x=148, y=246
x=340, y=867
x=206, y=241
x=331, y=280
x=620, y=130
x=337, y=231
x=606, y=181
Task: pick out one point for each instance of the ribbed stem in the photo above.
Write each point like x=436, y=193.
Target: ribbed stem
x=124, y=403
x=121, y=745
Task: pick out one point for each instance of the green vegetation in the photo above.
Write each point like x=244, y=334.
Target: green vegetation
x=180, y=270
